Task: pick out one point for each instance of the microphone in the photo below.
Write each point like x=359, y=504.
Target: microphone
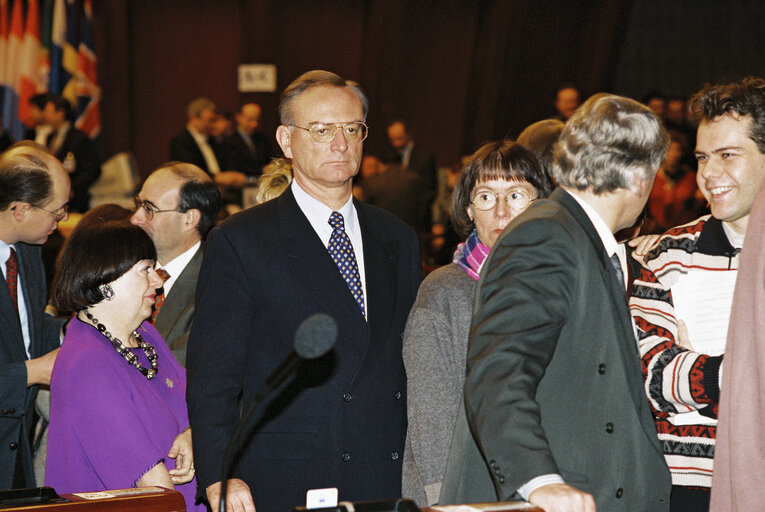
x=314, y=337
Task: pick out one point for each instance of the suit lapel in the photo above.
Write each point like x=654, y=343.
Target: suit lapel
x=318, y=274
x=181, y=293
x=627, y=346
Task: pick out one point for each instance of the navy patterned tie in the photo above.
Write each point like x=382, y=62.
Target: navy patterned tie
x=341, y=250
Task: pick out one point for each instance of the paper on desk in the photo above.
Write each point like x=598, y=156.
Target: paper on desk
x=703, y=300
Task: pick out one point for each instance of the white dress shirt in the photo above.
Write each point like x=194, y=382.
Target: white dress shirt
x=5, y=253
x=204, y=146
x=176, y=266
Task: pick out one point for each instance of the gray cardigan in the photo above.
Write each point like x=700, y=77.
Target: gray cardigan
x=435, y=348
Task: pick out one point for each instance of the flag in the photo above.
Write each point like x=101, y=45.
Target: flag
x=3, y=46
x=30, y=54
x=70, y=58
x=88, y=92
x=57, y=37
x=12, y=64
x=46, y=45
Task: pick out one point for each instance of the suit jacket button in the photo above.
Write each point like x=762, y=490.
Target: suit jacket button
x=347, y=397
x=492, y=463
x=398, y=395
x=601, y=369
x=394, y=455
x=13, y=445
x=501, y=479
x=346, y=456
x=609, y=427
x=619, y=492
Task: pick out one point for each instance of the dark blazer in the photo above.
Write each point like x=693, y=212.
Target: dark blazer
x=237, y=156
x=342, y=421
x=183, y=148
x=423, y=163
x=403, y=193
x=553, y=381
x=16, y=399
x=87, y=166
x=174, y=319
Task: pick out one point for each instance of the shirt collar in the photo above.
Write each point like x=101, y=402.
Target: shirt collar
x=318, y=213
x=609, y=242
x=175, y=266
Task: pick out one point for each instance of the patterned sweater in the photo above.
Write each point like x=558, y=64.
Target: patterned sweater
x=678, y=380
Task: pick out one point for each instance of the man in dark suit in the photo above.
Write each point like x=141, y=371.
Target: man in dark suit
x=34, y=193
x=400, y=192
x=73, y=148
x=246, y=150
x=411, y=156
x=554, y=393
x=177, y=205
x=341, y=421
x=194, y=144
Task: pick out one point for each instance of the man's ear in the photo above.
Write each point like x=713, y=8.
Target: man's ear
x=193, y=216
x=284, y=138
x=19, y=210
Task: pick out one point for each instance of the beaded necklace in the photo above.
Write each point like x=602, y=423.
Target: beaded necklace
x=125, y=352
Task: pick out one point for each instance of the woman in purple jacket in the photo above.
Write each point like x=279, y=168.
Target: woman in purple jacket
x=118, y=410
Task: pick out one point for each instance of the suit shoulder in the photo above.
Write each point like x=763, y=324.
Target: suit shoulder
x=383, y=220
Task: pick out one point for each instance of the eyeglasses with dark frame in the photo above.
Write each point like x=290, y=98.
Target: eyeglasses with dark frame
x=149, y=209
x=355, y=131
x=57, y=214
x=515, y=199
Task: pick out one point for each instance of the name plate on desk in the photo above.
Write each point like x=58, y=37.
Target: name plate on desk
x=149, y=499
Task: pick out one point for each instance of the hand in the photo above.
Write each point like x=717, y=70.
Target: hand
x=643, y=244
x=683, y=339
x=562, y=498
x=238, y=496
x=39, y=369
x=184, y=458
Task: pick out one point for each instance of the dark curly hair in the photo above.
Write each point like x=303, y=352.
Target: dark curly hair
x=744, y=98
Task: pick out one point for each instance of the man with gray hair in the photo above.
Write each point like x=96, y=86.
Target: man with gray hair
x=195, y=144
x=553, y=393
x=34, y=197
x=341, y=422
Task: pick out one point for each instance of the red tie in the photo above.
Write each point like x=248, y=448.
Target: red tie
x=159, y=299
x=11, y=278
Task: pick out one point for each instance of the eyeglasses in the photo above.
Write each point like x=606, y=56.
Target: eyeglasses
x=325, y=132
x=515, y=199
x=149, y=209
x=58, y=214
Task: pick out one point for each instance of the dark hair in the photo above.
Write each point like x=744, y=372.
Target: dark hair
x=24, y=175
x=61, y=104
x=400, y=121
x=197, y=192
x=96, y=255
x=313, y=79
x=540, y=139
x=503, y=160
x=39, y=100
x=745, y=98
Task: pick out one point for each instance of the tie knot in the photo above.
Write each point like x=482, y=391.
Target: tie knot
x=337, y=222
x=161, y=272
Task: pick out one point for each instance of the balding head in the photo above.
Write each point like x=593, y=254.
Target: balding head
x=248, y=118
x=34, y=193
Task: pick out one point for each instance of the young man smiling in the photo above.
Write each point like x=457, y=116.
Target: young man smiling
x=689, y=263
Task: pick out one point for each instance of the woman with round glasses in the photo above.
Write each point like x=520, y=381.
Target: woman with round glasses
x=499, y=181
x=118, y=414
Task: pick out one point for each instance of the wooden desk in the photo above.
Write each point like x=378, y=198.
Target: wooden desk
x=150, y=499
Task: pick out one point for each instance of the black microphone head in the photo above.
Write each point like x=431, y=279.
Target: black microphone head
x=315, y=336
